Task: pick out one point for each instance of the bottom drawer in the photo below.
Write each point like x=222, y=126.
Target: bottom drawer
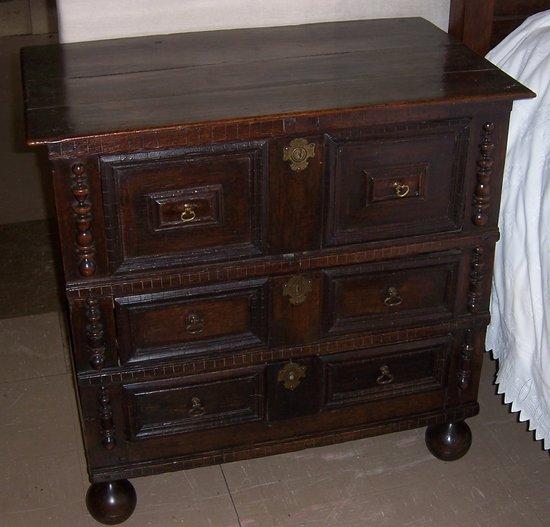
x=172, y=406
x=364, y=375
x=205, y=416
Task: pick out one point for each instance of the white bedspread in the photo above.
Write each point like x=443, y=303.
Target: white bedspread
x=519, y=334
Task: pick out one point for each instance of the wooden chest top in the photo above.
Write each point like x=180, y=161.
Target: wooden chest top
x=130, y=85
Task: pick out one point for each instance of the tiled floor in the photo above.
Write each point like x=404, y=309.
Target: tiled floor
x=392, y=480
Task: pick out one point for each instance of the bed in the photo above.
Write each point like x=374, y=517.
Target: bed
x=519, y=333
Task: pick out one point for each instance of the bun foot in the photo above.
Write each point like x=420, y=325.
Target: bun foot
x=111, y=502
x=449, y=441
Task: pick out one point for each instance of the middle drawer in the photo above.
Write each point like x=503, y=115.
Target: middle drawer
x=183, y=322
x=290, y=309
x=393, y=293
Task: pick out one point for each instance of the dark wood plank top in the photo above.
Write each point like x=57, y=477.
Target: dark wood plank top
x=148, y=83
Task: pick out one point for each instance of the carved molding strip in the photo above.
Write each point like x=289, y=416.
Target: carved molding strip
x=465, y=368
x=107, y=426
x=477, y=273
x=272, y=266
x=228, y=455
x=247, y=129
x=95, y=333
x=482, y=192
x=82, y=207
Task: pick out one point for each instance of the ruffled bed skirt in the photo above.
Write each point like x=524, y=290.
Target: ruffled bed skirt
x=519, y=333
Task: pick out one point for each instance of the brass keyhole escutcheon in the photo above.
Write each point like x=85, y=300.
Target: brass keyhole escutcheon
x=297, y=289
x=194, y=323
x=291, y=375
x=197, y=409
x=298, y=153
x=401, y=189
x=392, y=297
x=188, y=214
x=385, y=376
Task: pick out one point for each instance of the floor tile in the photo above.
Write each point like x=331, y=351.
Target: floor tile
x=33, y=346
x=15, y=17
x=40, y=482
x=37, y=417
x=210, y=512
x=346, y=499
x=29, y=269
x=183, y=486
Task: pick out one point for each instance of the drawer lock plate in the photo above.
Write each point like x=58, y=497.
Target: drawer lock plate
x=297, y=289
x=298, y=153
x=291, y=374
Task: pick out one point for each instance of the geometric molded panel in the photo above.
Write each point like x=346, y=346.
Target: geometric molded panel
x=171, y=406
x=391, y=293
x=184, y=206
x=393, y=181
x=186, y=322
x=389, y=371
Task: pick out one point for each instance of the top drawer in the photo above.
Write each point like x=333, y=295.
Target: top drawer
x=182, y=207
x=396, y=182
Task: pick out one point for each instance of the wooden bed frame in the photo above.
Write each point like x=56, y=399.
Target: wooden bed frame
x=482, y=24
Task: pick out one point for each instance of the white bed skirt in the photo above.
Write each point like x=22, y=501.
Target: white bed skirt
x=519, y=334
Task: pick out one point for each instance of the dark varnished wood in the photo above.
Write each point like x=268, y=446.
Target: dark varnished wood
x=295, y=323
x=187, y=205
x=295, y=199
x=368, y=296
x=192, y=321
x=111, y=502
x=482, y=24
x=156, y=82
x=449, y=441
x=173, y=406
x=233, y=296
x=427, y=159
x=304, y=399
x=365, y=375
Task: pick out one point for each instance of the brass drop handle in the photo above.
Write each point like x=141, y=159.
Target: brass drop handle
x=197, y=409
x=188, y=214
x=194, y=323
x=392, y=297
x=401, y=189
x=385, y=376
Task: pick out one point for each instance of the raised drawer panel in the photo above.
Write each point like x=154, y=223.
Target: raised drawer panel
x=363, y=297
x=390, y=183
x=182, y=206
x=365, y=375
x=166, y=407
x=190, y=321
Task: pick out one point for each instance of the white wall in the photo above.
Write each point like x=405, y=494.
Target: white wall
x=81, y=20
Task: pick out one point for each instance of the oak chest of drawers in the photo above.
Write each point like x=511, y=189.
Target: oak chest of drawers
x=272, y=239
